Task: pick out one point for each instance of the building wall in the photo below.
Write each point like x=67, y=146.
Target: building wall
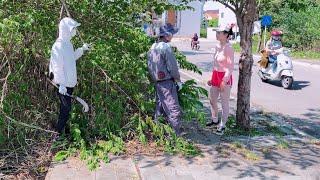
x=211, y=14
x=189, y=21
x=226, y=16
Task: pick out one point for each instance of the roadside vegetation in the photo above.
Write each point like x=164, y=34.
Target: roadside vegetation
x=113, y=79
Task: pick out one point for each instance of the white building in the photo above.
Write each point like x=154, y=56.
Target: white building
x=226, y=17
x=188, y=21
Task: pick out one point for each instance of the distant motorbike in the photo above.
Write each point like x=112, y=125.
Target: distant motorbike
x=195, y=46
x=283, y=70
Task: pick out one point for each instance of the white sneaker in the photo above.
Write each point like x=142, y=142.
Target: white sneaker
x=220, y=130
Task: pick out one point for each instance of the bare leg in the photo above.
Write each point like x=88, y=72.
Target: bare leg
x=225, y=98
x=214, y=95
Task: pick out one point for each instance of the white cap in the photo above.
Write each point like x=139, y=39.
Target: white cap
x=223, y=29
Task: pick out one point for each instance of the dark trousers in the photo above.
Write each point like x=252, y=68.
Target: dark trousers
x=167, y=104
x=65, y=108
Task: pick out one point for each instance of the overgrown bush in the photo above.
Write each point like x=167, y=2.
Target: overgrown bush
x=298, y=20
x=213, y=23
x=116, y=64
x=203, y=32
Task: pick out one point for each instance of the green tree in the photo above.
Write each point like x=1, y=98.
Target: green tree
x=298, y=20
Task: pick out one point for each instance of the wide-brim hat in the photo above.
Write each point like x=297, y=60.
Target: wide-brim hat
x=168, y=30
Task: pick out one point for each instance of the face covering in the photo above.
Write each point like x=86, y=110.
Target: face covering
x=73, y=32
x=276, y=38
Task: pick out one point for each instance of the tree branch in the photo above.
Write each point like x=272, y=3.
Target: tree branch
x=4, y=87
x=227, y=5
x=64, y=4
x=242, y=6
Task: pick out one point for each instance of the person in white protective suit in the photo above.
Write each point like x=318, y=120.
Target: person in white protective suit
x=62, y=68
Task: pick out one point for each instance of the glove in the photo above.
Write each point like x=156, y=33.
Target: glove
x=180, y=84
x=62, y=90
x=86, y=47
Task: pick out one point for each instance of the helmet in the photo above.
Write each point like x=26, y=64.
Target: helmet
x=276, y=33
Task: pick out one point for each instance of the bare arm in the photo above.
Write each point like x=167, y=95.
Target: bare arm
x=229, y=64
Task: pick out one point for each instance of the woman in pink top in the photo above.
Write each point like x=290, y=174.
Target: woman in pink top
x=221, y=80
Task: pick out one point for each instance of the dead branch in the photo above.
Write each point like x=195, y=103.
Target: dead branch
x=4, y=86
x=24, y=124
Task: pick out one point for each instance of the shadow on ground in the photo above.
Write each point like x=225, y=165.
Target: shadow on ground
x=263, y=156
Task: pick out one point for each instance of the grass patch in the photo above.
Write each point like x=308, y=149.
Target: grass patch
x=237, y=48
x=237, y=145
x=203, y=32
x=239, y=148
x=282, y=144
x=233, y=130
x=258, y=128
x=274, y=130
x=266, y=150
x=251, y=156
x=306, y=55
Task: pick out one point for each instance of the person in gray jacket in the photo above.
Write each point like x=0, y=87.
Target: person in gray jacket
x=164, y=72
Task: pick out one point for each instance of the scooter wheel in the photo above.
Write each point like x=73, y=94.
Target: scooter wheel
x=286, y=82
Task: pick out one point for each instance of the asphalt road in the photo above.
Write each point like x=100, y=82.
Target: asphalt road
x=302, y=101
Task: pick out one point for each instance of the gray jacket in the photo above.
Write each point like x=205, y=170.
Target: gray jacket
x=162, y=64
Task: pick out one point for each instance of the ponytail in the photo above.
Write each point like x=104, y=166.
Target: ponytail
x=230, y=33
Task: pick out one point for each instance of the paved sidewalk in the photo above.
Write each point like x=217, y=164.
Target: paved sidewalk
x=299, y=162
x=220, y=159
x=75, y=169
x=297, y=159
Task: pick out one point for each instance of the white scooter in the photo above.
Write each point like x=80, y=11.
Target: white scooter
x=283, y=71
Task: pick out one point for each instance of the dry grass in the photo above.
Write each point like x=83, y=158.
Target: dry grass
x=134, y=147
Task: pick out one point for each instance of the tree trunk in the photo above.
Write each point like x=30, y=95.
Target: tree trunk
x=245, y=19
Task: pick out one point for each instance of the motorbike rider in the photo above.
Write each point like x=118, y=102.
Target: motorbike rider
x=274, y=47
x=194, y=40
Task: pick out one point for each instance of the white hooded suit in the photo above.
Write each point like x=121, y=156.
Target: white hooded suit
x=63, y=56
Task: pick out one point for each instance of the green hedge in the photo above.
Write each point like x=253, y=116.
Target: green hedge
x=213, y=23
